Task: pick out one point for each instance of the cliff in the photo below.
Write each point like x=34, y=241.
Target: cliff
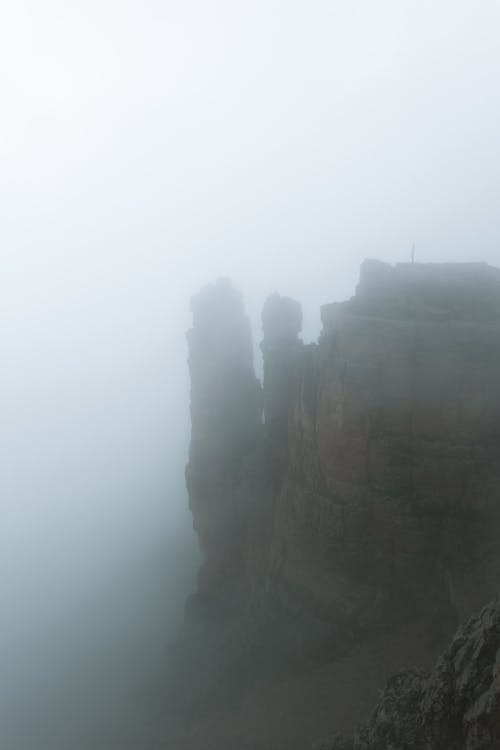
x=226, y=425
x=366, y=496
x=392, y=480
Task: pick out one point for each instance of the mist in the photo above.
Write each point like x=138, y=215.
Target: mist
x=146, y=149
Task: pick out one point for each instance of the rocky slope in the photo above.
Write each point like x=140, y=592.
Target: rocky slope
x=367, y=498
x=454, y=707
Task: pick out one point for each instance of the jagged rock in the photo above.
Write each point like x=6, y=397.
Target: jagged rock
x=461, y=701
x=396, y=721
x=455, y=707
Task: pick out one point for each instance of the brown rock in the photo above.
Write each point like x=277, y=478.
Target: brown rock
x=372, y=494
x=455, y=707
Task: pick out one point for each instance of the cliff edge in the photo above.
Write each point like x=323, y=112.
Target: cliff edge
x=358, y=489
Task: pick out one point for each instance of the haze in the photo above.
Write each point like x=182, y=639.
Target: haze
x=146, y=149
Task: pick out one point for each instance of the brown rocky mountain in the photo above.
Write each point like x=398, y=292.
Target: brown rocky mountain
x=355, y=496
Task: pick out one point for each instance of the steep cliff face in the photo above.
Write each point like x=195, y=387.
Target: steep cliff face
x=392, y=481
x=281, y=325
x=226, y=425
x=373, y=490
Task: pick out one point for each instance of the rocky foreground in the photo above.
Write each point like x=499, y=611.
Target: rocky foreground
x=456, y=706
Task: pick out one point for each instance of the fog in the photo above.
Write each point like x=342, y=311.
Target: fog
x=146, y=149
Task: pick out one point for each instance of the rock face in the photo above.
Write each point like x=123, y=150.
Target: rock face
x=454, y=707
x=371, y=494
x=281, y=324
x=226, y=424
x=392, y=485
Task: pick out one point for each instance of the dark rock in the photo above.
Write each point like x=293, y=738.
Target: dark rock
x=370, y=497
x=226, y=425
x=281, y=324
x=455, y=707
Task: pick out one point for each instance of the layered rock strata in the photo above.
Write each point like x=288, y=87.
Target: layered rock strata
x=371, y=493
x=392, y=487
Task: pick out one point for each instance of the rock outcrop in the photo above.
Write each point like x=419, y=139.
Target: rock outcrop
x=226, y=425
x=454, y=707
x=281, y=325
x=391, y=493
x=370, y=495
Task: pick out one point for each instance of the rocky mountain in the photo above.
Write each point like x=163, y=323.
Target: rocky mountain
x=357, y=491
